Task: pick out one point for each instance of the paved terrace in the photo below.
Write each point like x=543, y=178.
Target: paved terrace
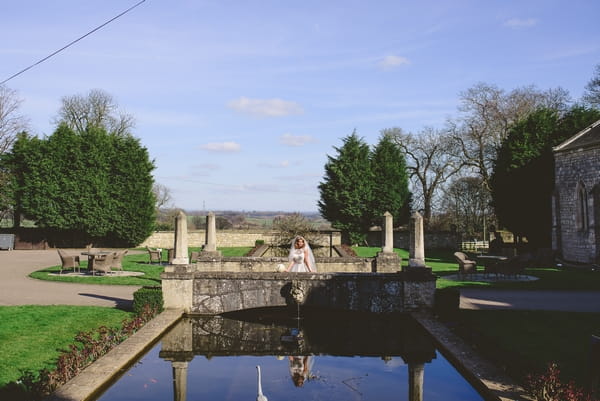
x=16, y=288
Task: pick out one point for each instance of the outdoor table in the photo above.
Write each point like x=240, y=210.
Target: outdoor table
x=488, y=261
x=92, y=256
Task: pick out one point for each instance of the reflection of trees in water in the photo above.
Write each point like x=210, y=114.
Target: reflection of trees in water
x=335, y=333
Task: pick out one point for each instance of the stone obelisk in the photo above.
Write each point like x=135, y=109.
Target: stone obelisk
x=417, y=242
x=181, y=240
x=387, y=261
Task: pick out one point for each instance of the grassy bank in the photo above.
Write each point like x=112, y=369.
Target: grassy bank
x=31, y=337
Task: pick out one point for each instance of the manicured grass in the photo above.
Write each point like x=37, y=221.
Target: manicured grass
x=137, y=262
x=32, y=336
x=442, y=264
x=524, y=342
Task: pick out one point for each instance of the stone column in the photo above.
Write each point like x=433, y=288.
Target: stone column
x=210, y=245
x=415, y=381
x=388, y=233
x=417, y=241
x=179, y=380
x=387, y=261
x=181, y=240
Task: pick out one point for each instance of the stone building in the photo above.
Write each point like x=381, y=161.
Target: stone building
x=576, y=200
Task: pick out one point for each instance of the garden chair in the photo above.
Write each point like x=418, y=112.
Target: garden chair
x=68, y=261
x=465, y=265
x=117, y=263
x=103, y=265
x=155, y=255
x=194, y=256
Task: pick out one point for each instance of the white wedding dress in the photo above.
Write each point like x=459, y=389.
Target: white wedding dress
x=298, y=258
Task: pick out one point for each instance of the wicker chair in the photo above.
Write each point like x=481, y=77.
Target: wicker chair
x=465, y=265
x=104, y=265
x=117, y=262
x=68, y=261
x=155, y=255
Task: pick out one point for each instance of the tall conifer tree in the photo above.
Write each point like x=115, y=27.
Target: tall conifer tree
x=346, y=191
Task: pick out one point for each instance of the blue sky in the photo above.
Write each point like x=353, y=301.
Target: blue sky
x=240, y=102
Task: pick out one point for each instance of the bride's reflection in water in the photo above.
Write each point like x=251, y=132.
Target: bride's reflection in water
x=300, y=368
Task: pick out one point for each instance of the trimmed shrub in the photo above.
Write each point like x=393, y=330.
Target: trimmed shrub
x=151, y=296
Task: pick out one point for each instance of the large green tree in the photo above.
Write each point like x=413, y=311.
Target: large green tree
x=346, y=190
x=523, y=178
x=390, y=182
x=92, y=183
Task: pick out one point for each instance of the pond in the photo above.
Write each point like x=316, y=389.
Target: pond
x=337, y=356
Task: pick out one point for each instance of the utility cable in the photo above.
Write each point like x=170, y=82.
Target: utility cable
x=72, y=43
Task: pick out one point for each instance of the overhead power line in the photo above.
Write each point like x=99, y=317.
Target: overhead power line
x=71, y=43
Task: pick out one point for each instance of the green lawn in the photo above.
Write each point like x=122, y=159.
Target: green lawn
x=137, y=262
x=31, y=336
x=524, y=342
x=442, y=264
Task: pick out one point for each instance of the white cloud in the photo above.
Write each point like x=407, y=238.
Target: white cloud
x=266, y=107
x=284, y=163
x=229, y=147
x=520, y=22
x=296, y=140
x=391, y=62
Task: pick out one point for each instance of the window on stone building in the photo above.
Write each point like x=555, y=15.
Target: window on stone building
x=582, y=208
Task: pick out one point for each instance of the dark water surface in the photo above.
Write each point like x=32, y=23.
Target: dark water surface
x=335, y=357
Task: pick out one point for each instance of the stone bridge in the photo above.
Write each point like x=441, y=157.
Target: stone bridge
x=217, y=292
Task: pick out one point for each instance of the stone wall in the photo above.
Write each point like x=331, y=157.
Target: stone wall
x=571, y=168
x=214, y=293
x=225, y=238
x=433, y=239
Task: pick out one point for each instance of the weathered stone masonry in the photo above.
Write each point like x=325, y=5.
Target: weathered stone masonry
x=577, y=169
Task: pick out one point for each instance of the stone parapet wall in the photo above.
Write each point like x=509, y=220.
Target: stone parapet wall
x=219, y=292
x=571, y=168
x=269, y=264
x=225, y=238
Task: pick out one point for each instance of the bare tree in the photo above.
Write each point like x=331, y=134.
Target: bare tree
x=591, y=96
x=11, y=121
x=486, y=113
x=162, y=196
x=97, y=108
x=468, y=204
x=431, y=159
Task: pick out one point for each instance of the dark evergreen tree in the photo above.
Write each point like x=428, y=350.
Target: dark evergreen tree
x=390, y=182
x=94, y=184
x=523, y=179
x=346, y=191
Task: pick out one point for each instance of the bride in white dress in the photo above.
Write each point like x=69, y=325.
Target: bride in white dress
x=301, y=257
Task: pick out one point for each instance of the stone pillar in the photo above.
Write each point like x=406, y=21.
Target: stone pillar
x=388, y=233
x=210, y=245
x=179, y=380
x=417, y=241
x=415, y=381
x=387, y=261
x=181, y=240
